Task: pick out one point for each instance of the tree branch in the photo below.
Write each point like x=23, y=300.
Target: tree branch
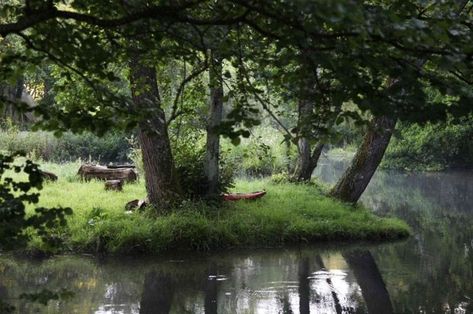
x=174, y=112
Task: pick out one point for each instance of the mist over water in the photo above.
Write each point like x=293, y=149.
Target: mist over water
x=431, y=272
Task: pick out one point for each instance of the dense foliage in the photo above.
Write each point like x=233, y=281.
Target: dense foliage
x=41, y=145
x=433, y=146
x=16, y=225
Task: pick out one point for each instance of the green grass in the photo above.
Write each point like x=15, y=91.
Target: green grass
x=288, y=214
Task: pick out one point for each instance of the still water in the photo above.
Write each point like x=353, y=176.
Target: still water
x=431, y=272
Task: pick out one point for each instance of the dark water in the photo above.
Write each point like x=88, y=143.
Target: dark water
x=431, y=272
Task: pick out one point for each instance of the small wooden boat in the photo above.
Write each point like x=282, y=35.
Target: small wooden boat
x=243, y=196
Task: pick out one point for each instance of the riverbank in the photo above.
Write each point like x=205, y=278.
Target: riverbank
x=288, y=214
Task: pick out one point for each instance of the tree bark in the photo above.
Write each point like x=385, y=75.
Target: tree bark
x=212, y=154
x=367, y=159
x=307, y=161
x=162, y=184
x=308, y=157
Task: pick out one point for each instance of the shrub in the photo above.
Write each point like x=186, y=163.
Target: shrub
x=261, y=155
x=281, y=178
x=189, y=155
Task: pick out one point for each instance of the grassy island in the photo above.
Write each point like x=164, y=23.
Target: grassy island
x=288, y=214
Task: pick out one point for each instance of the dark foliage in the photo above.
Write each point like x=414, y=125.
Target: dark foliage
x=14, y=195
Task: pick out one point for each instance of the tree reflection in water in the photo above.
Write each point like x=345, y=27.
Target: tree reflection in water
x=369, y=279
x=323, y=290
x=157, y=294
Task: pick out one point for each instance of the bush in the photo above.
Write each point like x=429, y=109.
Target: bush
x=432, y=146
x=112, y=147
x=261, y=155
x=189, y=156
x=281, y=178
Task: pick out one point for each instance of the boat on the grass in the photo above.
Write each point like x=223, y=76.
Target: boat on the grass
x=243, y=196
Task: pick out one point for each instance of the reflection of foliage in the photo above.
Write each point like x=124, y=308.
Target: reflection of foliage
x=14, y=195
x=6, y=308
x=432, y=266
x=44, y=296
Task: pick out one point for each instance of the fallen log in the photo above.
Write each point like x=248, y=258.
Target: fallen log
x=243, y=196
x=114, y=185
x=88, y=172
x=48, y=175
x=114, y=166
x=136, y=205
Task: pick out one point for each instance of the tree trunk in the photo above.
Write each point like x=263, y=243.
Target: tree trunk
x=307, y=161
x=162, y=184
x=308, y=157
x=367, y=159
x=370, y=281
x=212, y=154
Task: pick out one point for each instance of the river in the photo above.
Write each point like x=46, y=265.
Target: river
x=430, y=272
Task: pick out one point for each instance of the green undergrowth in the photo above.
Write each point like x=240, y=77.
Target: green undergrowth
x=288, y=214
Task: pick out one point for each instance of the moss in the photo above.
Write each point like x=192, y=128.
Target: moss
x=288, y=214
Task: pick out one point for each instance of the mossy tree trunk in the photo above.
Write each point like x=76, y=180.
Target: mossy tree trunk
x=367, y=159
x=212, y=155
x=162, y=184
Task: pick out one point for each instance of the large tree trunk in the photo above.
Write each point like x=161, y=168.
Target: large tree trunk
x=212, y=155
x=162, y=184
x=370, y=281
x=367, y=159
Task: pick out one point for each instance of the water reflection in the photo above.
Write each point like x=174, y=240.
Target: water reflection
x=292, y=281
x=431, y=272
x=158, y=293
